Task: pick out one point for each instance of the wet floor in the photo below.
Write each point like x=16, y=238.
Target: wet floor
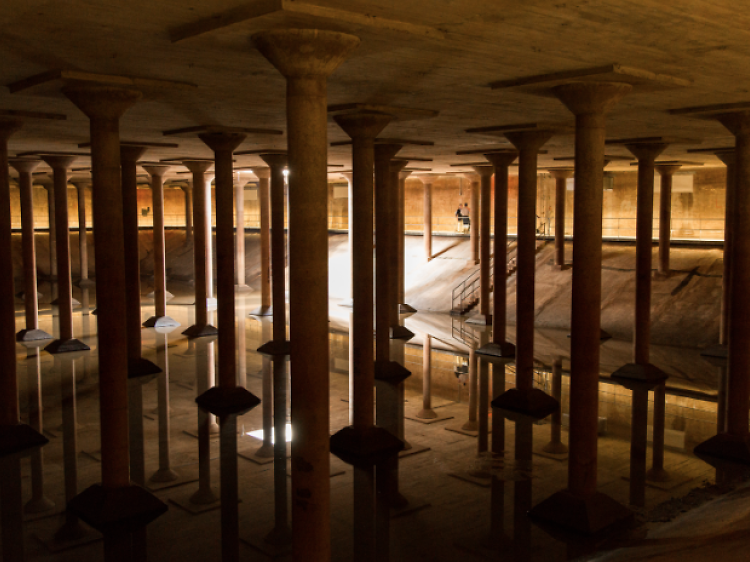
x=468, y=476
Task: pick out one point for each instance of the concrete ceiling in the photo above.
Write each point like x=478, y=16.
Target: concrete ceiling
x=421, y=53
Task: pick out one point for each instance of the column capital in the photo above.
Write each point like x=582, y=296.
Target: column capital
x=59, y=161
x=24, y=165
x=562, y=174
x=427, y=179
x=398, y=165
x=583, y=98
x=101, y=102
x=363, y=125
x=403, y=175
x=646, y=151
x=501, y=159
x=198, y=166
x=275, y=159
x=484, y=171
x=736, y=122
x=473, y=177
x=261, y=172
x=667, y=169
x=349, y=176
x=727, y=156
x=222, y=141
x=386, y=151
x=131, y=153
x=298, y=53
x=156, y=170
x=528, y=140
x=8, y=126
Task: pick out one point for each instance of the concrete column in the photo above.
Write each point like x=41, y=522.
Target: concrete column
x=561, y=177
x=188, y=190
x=239, y=219
x=734, y=445
x=474, y=217
x=306, y=58
x=201, y=265
x=66, y=342
x=427, y=181
x=30, y=297
x=403, y=307
x=395, y=252
x=499, y=346
x=484, y=318
x=52, y=235
x=729, y=159
x=164, y=473
x=524, y=398
x=104, y=105
x=589, y=102
x=228, y=400
x=137, y=365
x=160, y=318
x=348, y=302
x=264, y=175
x=211, y=298
x=83, y=247
x=277, y=162
x=666, y=171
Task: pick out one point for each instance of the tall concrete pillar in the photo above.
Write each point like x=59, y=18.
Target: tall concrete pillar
x=499, y=347
x=589, y=102
x=160, y=318
x=427, y=180
x=403, y=307
x=666, y=171
x=201, y=265
x=396, y=253
x=104, y=105
x=347, y=302
x=60, y=165
x=524, y=398
x=363, y=128
x=239, y=219
x=264, y=175
x=474, y=180
x=227, y=400
x=16, y=437
x=306, y=58
x=734, y=444
x=188, y=190
x=48, y=185
x=30, y=297
x=561, y=176
x=484, y=318
x=83, y=247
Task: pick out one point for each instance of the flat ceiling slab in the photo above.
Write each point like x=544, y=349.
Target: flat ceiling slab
x=397, y=112
x=652, y=140
x=610, y=157
x=708, y=111
x=198, y=129
x=641, y=80
x=32, y=114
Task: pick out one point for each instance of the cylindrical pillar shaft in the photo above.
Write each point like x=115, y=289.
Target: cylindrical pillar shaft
x=474, y=219
x=428, y=219
x=265, y=242
x=665, y=221
x=83, y=248
x=239, y=219
x=485, y=172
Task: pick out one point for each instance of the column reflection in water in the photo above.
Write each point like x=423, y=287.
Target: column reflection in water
x=638, y=444
x=555, y=445
x=266, y=450
x=165, y=473
x=657, y=472
x=39, y=503
x=72, y=531
x=471, y=424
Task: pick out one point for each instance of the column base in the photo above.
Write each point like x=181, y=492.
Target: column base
x=275, y=348
x=262, y=311
x=347, y=303
x=426, y=414
x=66, y=346
x=142, y=368
x=719, y=351
x=163, y=476
x=401, y=333
x=723, y=448
x=73, y=301
x=480, y=320
x=160, y=322
x=406, y=309
x=587, y=515
x=658, y=475
x=365, y=447
x=639, y=377
x=517, y=404
x=499, y=351
x=227, y=401
x=21, y=295
x=242, y=289
x=39, y=505
x=32, y=335
x=86, y=283
x=555, y=448
x=196, y=331
x=20, y=439
x=391, y=372
x=127, y=508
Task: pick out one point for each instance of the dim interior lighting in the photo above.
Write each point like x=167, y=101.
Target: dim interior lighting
x=286, y=172
x=258, y=434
